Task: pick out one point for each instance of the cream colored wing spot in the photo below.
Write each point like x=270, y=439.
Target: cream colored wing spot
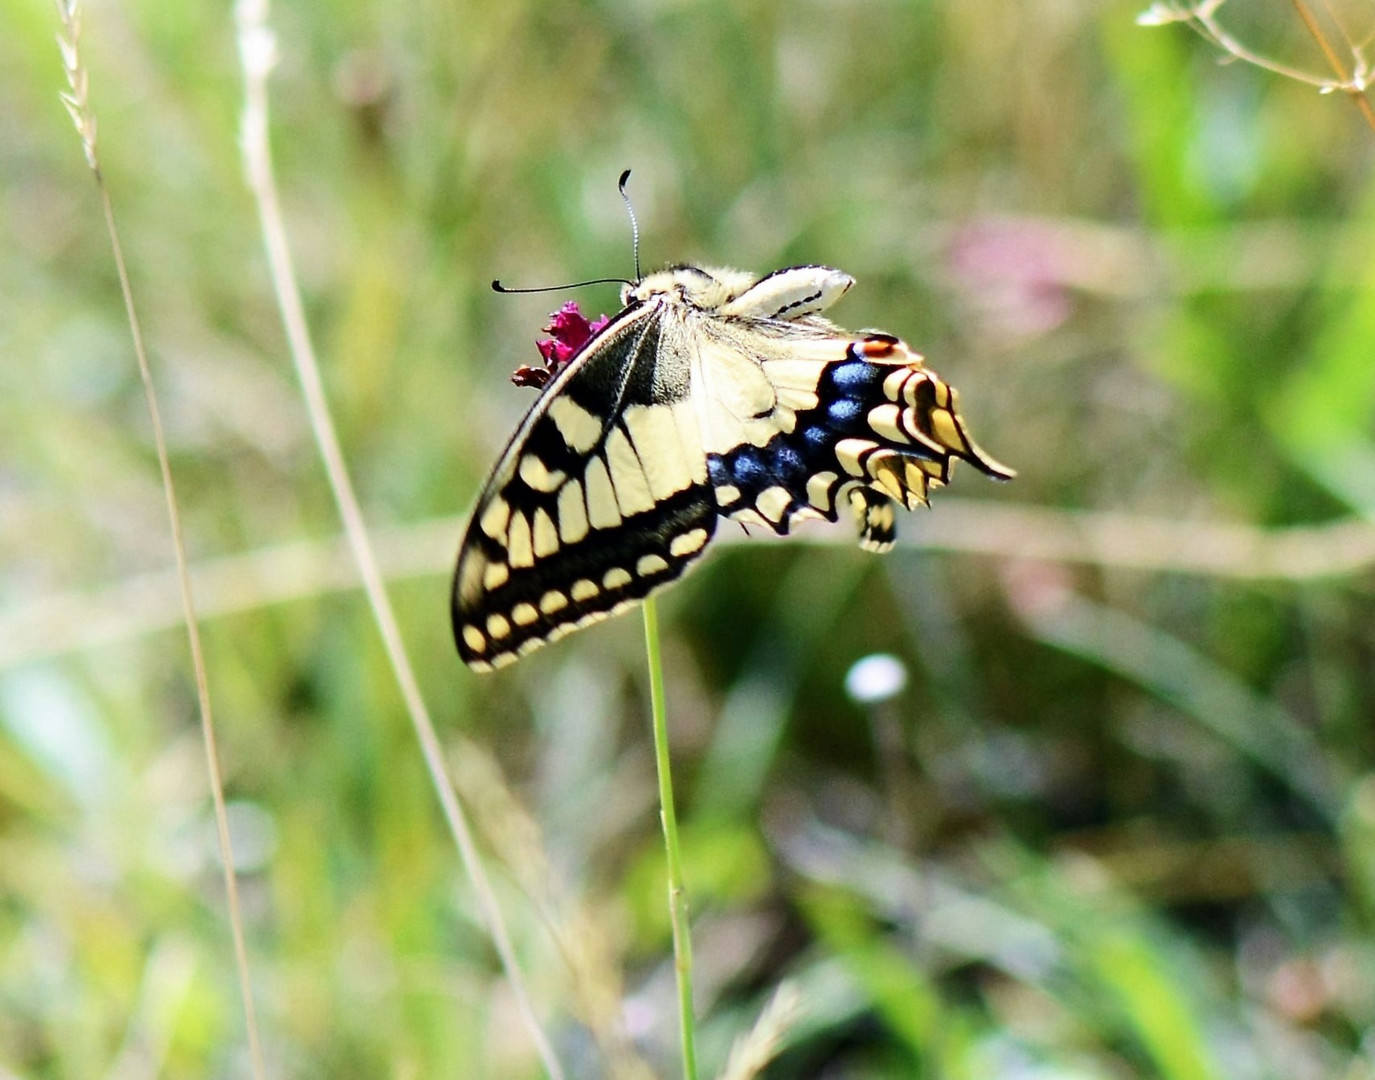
x=727, y=495
x=583, y=589
x=498, y=627
x=474, y=639
x=528, y=646
x=819, y=490
x=654, y=433
x=887, y=421
x=518, y=547
x=524, y=614
x=689, y=543
x=546, y=536
x=552, y=601
x=602, y=511
x=916, y=481
x=782, y=419
x=650, y=564
x=616, y=578
x=505, y=659
x=495, y=517
x=572, y=512
x=495, y=575
x=894, y=382
x=936, y=471
x=538, y=475
x=632, y=489
x=886, y=476
x=944, y=429
x=773, y=502
x=849, y=452
x=579, y=428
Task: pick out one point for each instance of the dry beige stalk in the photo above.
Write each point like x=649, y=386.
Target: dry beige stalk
x=752, y=1053
x=1203, y=18
x=77, y=102
x=257, y=53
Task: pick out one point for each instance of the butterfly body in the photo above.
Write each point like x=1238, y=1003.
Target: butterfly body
x=711, y=394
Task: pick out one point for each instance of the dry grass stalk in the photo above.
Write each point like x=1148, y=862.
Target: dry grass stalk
x=598, y=991
x=77, y=102
x=752, y=1052
x=257, y=52
x=1202, y=17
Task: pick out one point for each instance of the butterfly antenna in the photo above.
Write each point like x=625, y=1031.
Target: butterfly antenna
x=497, y=286
x=634, y=225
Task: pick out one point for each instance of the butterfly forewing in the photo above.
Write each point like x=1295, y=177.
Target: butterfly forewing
x=601, y=496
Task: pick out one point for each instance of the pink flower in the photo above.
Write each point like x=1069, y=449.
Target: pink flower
x=571, y=332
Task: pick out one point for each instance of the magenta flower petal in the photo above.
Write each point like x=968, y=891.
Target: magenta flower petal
x=571, y=331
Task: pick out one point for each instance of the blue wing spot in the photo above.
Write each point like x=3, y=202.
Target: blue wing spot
x=853, y=375
x=817, y=439
x=844, y=413
x=748, y=470
x=788, y=466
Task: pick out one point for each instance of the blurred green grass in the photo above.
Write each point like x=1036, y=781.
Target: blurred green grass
x=1139, y=813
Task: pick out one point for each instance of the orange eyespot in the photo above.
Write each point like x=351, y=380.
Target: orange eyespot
x=878, y=347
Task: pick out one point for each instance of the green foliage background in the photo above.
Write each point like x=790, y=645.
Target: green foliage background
x=1121, y=823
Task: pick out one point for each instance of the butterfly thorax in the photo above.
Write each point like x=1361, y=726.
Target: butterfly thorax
x=789, y=294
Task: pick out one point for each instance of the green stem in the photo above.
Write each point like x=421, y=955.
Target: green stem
x=677, y=898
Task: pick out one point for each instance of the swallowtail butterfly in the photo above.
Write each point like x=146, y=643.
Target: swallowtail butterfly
x=711, y=394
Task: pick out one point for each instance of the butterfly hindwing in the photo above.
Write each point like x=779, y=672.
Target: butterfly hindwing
x=601, y=496
x=852, y=418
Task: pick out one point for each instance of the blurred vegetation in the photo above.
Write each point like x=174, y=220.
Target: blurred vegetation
x=1119, y=823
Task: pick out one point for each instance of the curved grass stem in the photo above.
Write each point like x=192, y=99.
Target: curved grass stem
x=257, y=53
x=677, y=897
x=78, y=107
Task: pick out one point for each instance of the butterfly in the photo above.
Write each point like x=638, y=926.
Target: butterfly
x=711, y=394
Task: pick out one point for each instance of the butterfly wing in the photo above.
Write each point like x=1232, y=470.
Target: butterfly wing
x=601, y=496
x=800, y=418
